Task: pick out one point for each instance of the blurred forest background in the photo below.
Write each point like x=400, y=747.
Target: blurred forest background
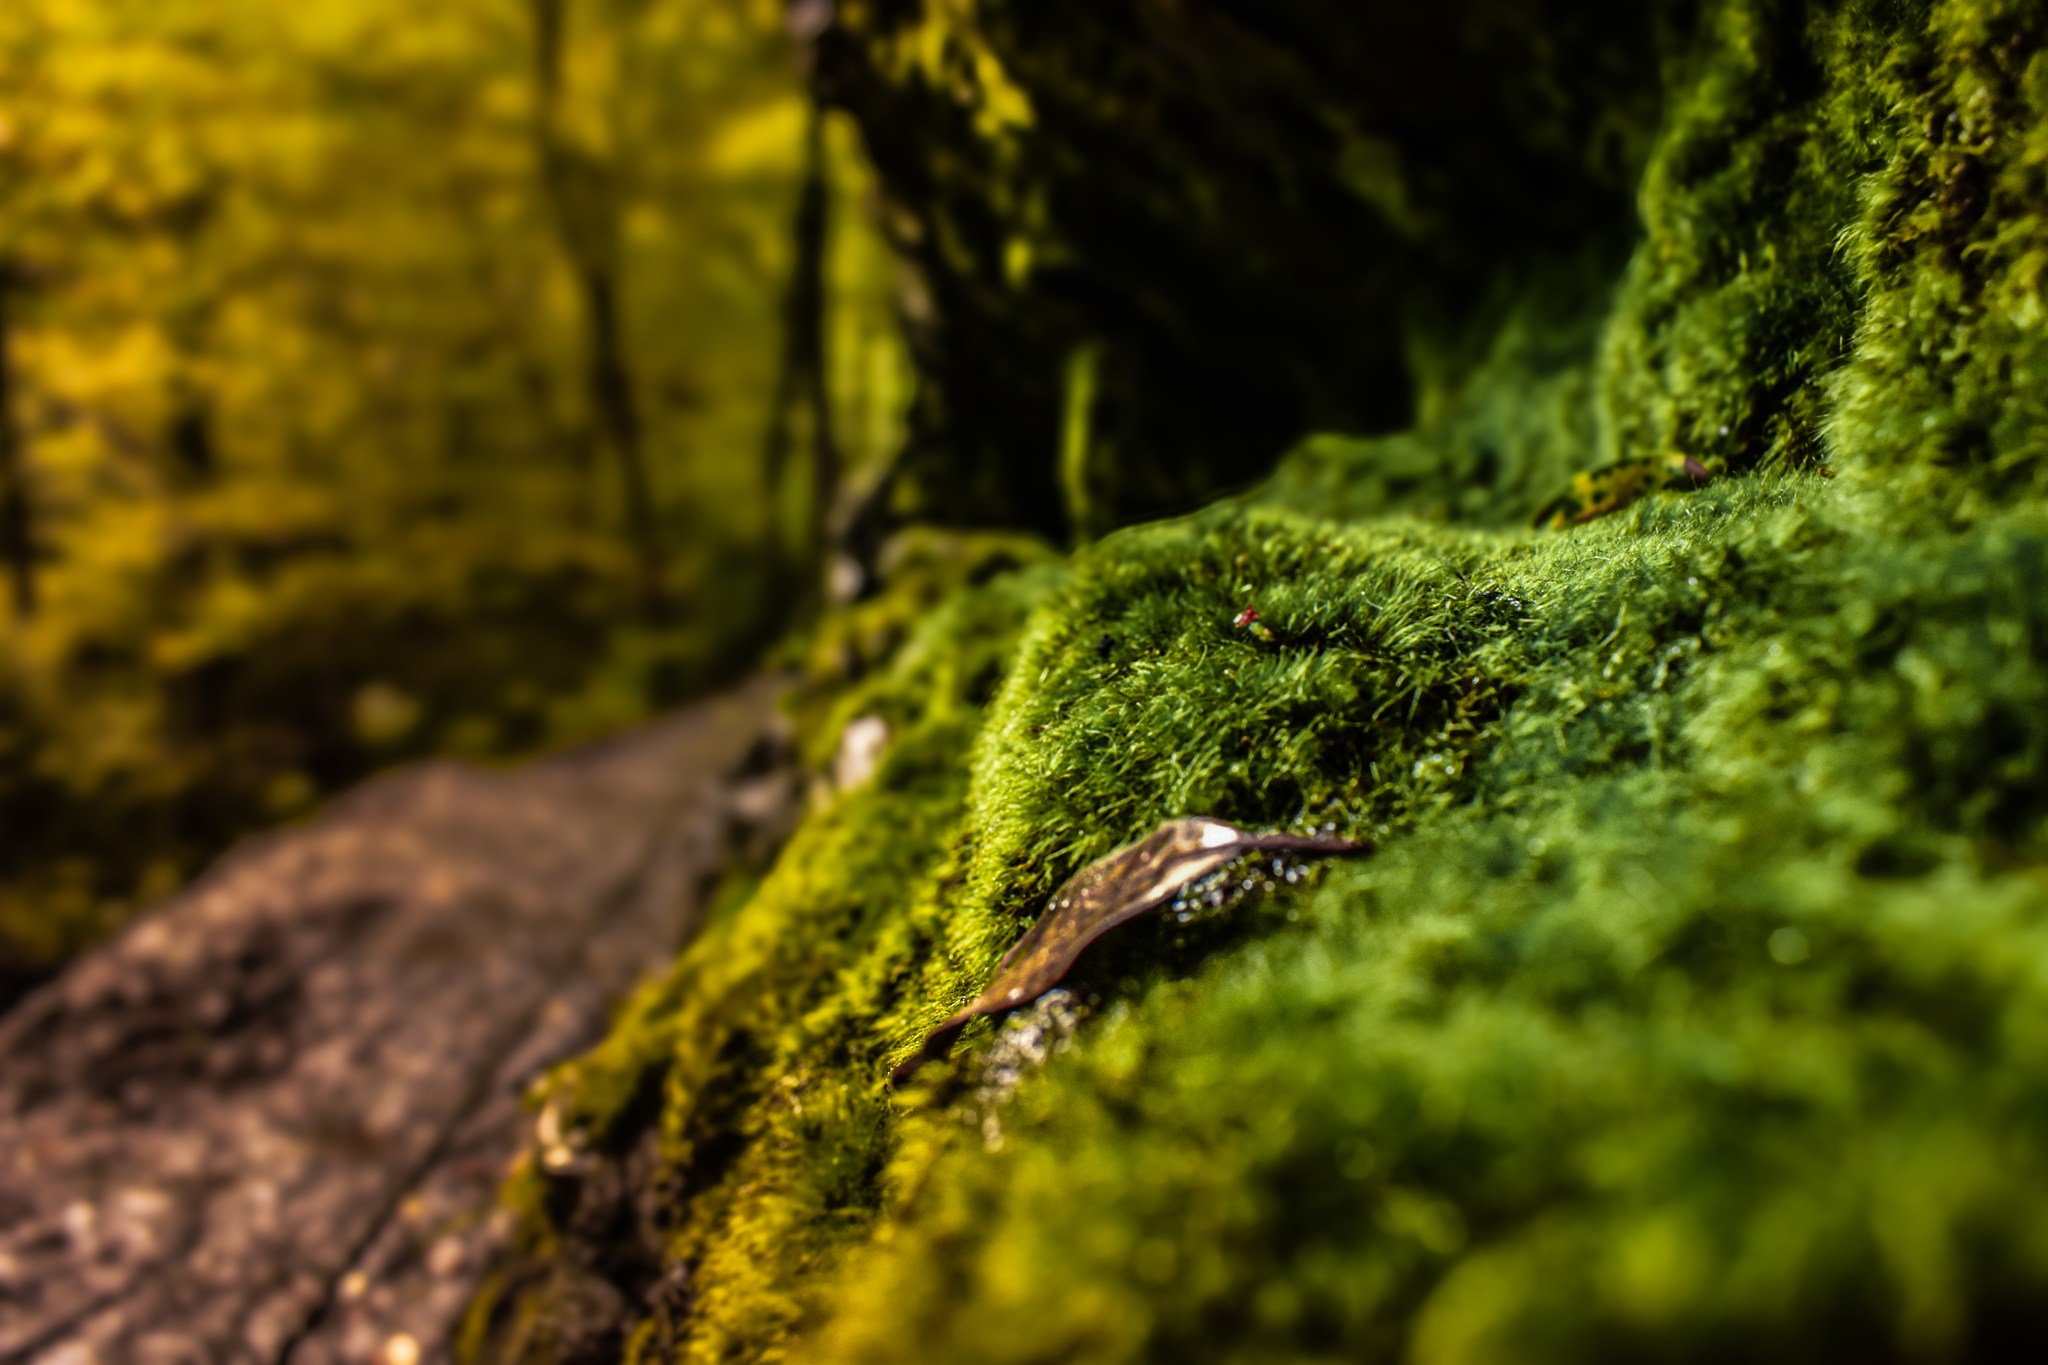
x=382, y=380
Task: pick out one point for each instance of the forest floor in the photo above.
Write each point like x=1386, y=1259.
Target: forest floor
x=269, y=1121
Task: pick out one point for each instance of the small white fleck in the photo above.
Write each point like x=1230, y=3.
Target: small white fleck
x=860, y=751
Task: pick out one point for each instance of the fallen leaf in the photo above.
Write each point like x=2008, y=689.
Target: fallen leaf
x=1101, y=896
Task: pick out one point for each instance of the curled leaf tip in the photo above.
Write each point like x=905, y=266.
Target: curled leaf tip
x=1104, y=894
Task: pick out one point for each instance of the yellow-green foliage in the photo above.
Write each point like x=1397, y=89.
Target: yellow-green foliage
x=1696, y=1002
x=299, y=370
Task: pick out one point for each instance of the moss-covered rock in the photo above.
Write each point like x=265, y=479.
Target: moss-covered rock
x=1696, y=1002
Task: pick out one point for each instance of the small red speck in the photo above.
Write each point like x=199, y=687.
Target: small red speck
x=1696, y=471
x=1245, y=618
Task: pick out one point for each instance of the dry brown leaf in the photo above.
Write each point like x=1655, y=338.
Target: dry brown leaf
x=1101, y=896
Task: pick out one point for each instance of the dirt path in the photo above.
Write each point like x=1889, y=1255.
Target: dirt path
x=269, y=1120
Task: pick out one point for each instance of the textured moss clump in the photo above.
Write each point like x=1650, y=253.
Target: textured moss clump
x=1696, y=1002
x=1708, y=1019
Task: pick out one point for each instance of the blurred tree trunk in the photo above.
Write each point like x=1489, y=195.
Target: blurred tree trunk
x=17, y=537
x=611, y=395
x=583, y=194
x=803, y=385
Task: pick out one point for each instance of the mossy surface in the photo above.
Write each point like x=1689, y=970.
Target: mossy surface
x=1705, y=1020
x=1695, y=1004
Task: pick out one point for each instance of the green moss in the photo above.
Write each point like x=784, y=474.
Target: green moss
x=1735, y=304
x=1694, y=1005
x=1708, y=1021
x=741, y=1077
x=1497, y=434
x=918, y=569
